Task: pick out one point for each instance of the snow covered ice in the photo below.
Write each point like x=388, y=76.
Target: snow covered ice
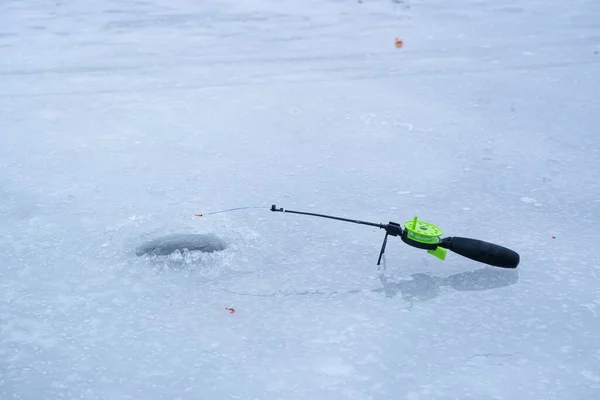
x=119, y=120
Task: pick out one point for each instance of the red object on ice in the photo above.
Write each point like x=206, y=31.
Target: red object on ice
x=231, y=310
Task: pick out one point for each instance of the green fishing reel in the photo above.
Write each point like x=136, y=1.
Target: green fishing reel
x=423, y=235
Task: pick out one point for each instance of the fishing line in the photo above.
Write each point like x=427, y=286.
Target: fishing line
x=228, y=210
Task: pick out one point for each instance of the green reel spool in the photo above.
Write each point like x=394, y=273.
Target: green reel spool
x=424, y=235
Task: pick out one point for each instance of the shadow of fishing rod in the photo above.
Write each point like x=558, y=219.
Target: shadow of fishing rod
x=421, y=287
x=424, y=286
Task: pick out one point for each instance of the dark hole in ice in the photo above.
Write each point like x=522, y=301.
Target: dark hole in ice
x=207, y=243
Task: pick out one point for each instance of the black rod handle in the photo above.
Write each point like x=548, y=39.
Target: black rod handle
x=483, y=252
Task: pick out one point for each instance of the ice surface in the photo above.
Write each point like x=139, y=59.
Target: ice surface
x=119, y=120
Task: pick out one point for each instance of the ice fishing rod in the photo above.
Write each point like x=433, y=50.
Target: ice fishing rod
x=426, y=236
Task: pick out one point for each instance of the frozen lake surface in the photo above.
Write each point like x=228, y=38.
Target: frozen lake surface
x=121, y=120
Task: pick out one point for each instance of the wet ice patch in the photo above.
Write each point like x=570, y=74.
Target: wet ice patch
x=531, y=200
x=167, y=245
